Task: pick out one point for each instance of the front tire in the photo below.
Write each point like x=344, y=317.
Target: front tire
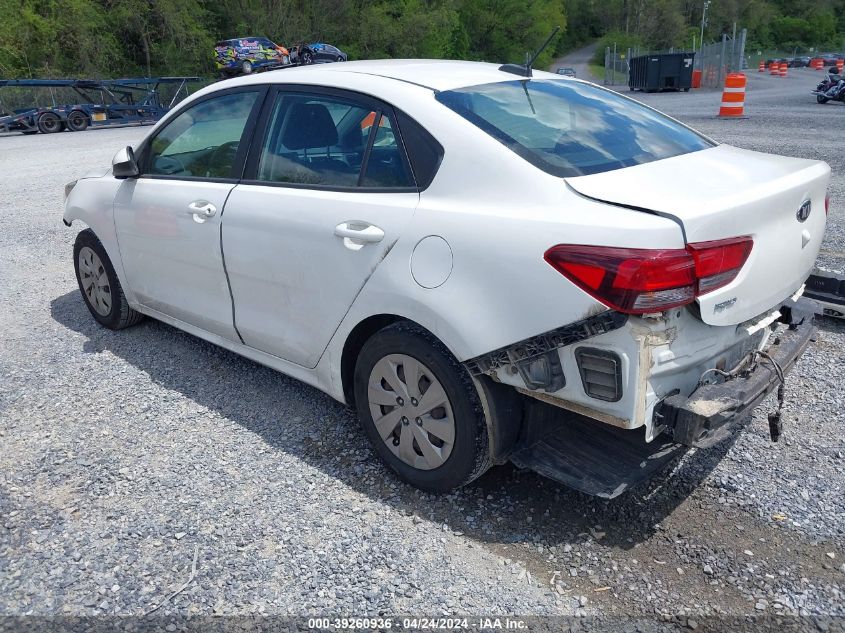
x=99, y=284
x=246, y=67
x=821, y=99
x=420, y=409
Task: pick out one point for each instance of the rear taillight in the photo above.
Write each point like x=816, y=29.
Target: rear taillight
x=827, y=204
x=717, y=263
x=630, y=280
x=640, y=281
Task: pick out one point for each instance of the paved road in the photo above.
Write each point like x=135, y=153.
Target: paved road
x=579, y=60
x=125, y=455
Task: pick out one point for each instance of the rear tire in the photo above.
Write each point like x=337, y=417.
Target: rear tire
x=49, y=122
x=821, y=99
x=99, y=284
x=77, y=121
x=437, y=443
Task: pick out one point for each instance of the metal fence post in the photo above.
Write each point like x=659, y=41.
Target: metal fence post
x=606, y=62
x=732, y=66
x=743, y=35
x=722, y=60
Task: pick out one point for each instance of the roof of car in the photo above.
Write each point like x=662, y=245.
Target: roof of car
x=435, y=74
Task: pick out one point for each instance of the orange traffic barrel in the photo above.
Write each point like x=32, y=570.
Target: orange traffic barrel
x=762, y=67
x=817, y=63
x=733, y=96
x=696, y=78
x=774, y=69
x=783, y=68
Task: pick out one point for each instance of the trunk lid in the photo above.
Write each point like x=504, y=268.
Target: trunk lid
x=725, y=192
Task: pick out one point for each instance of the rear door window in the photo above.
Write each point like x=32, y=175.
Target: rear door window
x=386, y=166
x=331, y=141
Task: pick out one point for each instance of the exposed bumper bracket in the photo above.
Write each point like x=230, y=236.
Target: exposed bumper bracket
x=706, y=416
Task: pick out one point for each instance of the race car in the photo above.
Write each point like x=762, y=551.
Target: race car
x=316, y=53
x=245, y=55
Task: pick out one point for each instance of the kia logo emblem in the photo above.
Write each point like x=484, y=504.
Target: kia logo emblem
x=804, y=211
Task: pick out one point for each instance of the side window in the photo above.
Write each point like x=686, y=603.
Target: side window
x=202, y=141
x=386, y=166
x=314, y=140
x=326, y=140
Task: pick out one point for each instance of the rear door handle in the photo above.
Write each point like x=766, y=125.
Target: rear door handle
x=201, y=210
x=356, y=234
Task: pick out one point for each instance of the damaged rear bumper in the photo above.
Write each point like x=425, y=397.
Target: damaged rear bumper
x=706, y=416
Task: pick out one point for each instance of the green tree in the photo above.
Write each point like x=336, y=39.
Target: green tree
x=505, y=30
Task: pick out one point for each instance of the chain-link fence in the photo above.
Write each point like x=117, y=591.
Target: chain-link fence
x=713, y=61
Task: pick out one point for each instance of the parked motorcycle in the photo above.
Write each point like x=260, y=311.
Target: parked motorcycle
x=824, y=92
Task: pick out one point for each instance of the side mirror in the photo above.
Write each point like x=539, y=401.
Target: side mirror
x=123, y=165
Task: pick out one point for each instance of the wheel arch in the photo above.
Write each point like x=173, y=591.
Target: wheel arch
x=90, y=203
x=502, y=405
x=372, y=323
x=352, y=348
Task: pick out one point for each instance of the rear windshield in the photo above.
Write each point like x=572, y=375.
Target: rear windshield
x=568, y=128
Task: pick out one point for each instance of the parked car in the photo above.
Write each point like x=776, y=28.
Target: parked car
x=566, y=72
x=800, y=62
x=245, y=55
x=830, y=59
x=316, y=53
x=486, y=266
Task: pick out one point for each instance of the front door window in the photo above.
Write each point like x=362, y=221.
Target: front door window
x=202, y=141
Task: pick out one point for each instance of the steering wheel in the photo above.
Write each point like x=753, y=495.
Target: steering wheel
x=221, y=159
x=169, y=165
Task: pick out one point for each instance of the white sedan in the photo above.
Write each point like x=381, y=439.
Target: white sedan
x=451, y=247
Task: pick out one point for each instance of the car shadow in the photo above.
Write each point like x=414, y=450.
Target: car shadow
x=505, y=506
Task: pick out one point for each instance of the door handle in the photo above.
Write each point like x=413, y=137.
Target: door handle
x=356, y=234
x=201, y=210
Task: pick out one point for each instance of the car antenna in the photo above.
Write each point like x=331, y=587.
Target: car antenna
x=524, y=70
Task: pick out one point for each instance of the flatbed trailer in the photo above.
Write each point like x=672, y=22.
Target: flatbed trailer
x=103, y=102
x=827, y=288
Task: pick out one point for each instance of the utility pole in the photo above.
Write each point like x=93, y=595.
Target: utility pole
x=703, y=21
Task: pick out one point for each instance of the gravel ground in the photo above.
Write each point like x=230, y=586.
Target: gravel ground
x=130, y=458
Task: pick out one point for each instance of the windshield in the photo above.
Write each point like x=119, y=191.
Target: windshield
x=567, y=128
